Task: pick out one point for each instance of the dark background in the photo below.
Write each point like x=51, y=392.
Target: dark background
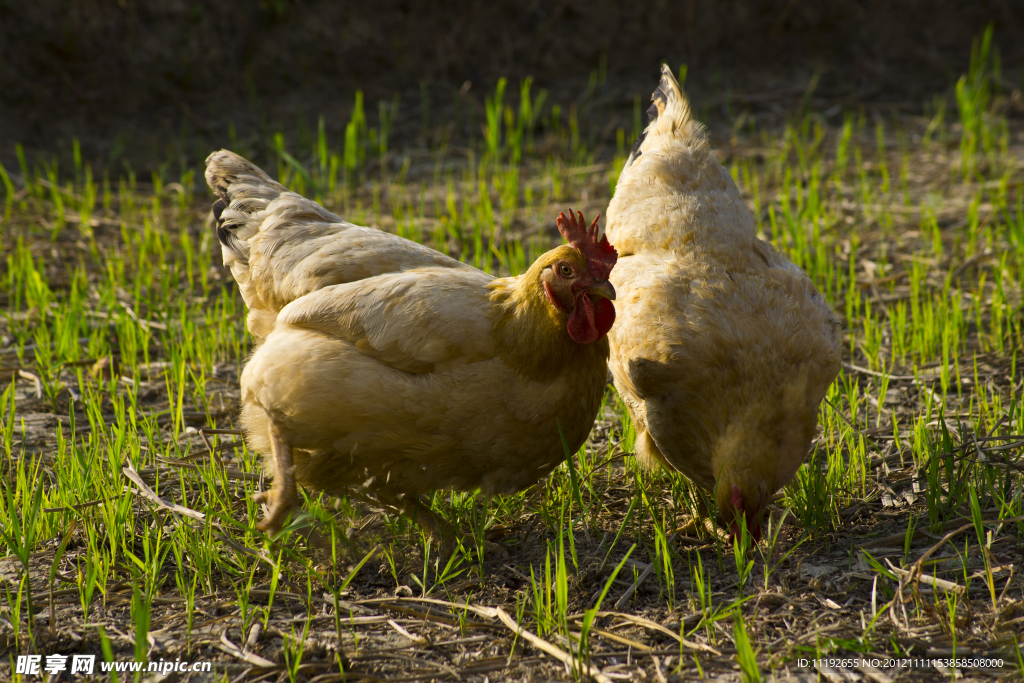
x=133, y=80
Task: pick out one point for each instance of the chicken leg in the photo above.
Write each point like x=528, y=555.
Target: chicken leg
x=417, y=508
x=283, y=495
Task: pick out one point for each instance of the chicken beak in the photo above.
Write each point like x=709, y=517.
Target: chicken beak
x=603, y=289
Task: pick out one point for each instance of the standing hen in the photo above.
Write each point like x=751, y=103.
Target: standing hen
x=385, y=364
x=723, y=349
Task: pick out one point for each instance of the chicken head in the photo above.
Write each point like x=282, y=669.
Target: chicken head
x=760, y=451
x=575, y=279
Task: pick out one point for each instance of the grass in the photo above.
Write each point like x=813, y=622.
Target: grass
x=125, y=493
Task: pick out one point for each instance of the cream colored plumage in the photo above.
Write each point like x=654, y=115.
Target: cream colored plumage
x=386, y=365
x=280, y=246
x=723, y=349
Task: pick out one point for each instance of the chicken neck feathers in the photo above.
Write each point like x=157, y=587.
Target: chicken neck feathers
x=530, y=334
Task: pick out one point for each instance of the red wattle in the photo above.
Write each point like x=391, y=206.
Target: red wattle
x=605, y=317
x=581, y=322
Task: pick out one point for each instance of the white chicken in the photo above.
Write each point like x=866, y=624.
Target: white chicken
x=723, y=348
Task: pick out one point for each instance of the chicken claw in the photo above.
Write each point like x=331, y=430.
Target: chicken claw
x=448, y=535
x=282, y=496
x=277, y=512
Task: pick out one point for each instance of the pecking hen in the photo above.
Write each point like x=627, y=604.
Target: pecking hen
x=723, y=349
x=385, y=365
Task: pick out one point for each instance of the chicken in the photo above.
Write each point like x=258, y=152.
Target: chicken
x=386, y=366
x=723, y=349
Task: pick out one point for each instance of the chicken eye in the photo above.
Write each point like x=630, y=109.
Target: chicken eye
x=564, y=270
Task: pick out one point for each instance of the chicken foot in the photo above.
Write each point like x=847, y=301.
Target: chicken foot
x=283, y=495
x=417, y=508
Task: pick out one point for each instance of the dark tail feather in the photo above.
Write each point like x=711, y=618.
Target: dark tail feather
x=243, y=189
x=666, y=94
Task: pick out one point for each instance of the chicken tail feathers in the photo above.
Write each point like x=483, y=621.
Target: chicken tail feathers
x=668, y=114
x=668, y=96
x=243, y=191
x=231, y=176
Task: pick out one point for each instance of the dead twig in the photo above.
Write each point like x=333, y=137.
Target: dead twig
x=628, y=593
x=150, y=494
x=543, y=645
x=914, y=574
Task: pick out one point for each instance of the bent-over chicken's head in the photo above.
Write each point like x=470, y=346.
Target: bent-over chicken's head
x=746, y=482
x=761, y=449
x=575, y=278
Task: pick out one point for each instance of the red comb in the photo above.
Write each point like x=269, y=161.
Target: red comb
x=600, y=255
